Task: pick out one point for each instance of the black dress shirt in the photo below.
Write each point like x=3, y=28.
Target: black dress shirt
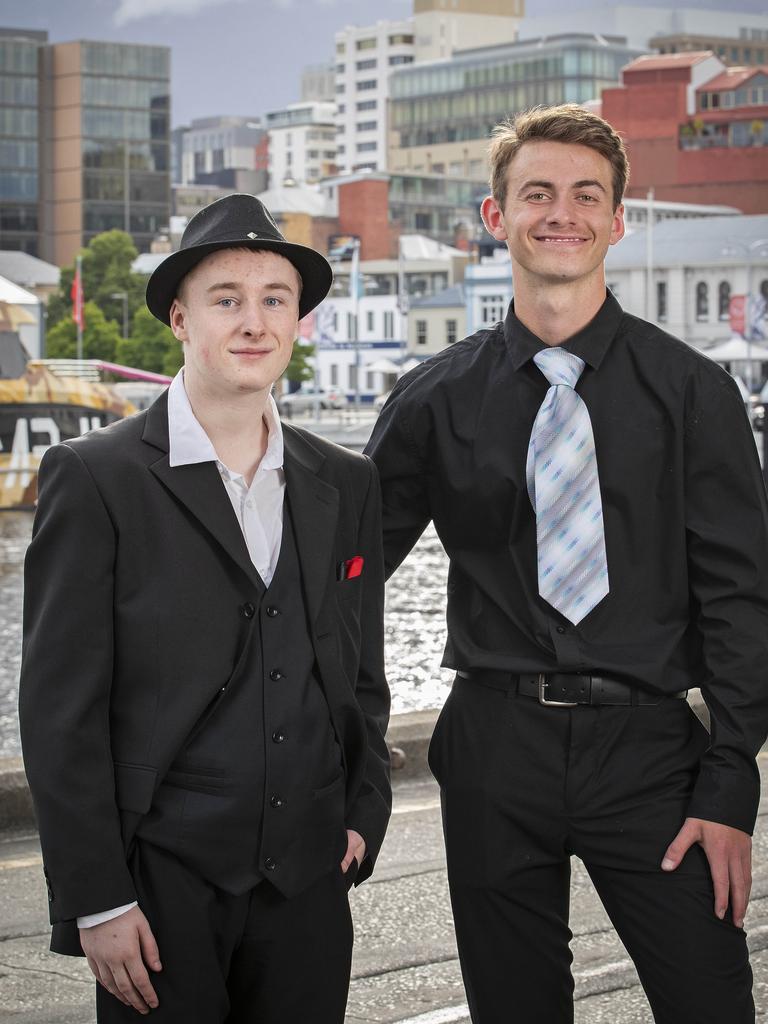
x=686, y=524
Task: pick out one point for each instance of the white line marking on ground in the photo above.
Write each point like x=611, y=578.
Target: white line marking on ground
x=445, y=1016
x=21, y=862
x=596, y=972
x=427, y=805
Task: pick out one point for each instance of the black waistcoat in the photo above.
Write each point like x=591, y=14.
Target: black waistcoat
x=258, y=789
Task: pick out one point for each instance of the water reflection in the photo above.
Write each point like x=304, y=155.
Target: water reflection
x=415, y=626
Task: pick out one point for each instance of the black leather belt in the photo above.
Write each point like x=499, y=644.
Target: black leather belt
x=566, y=689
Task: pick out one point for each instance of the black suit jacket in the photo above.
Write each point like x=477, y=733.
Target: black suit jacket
x=136, y=580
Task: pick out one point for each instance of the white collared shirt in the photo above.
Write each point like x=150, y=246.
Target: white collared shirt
x=259, y=508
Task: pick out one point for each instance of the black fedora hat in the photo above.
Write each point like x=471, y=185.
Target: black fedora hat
x=234, y=222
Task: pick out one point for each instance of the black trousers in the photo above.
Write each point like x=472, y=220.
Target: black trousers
x=523, y=788
x=252, y=959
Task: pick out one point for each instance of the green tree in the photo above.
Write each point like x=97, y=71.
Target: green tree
x=151, y=346
x=106, y=272
x=100, y=337
x=299, y=369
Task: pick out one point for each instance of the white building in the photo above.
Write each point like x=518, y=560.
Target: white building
x=638, y=25
x=364, y=59
x=698, y=266
x=302, y=143
x=441, y=28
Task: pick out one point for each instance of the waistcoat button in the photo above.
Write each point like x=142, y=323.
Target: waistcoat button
x=270, y=864
x=276, y=801
x=248, y=610
x=278, y=736
x=275, y=674
x=272, y=611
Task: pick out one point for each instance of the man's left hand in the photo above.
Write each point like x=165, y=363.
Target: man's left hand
x=355, y=850
x=729, y=852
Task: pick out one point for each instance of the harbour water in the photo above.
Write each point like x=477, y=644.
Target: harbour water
x=415, y=626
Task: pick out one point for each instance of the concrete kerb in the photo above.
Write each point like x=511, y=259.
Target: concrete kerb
x=409, y=733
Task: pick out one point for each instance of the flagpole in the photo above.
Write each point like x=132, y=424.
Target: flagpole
x=79, y=305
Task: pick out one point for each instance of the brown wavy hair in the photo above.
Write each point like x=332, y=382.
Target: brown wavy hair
x=567, y=123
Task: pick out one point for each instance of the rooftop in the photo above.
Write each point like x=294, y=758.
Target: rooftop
x=667, y=61
x=724, y=241
x=453, y=296
x=732, y=78
x=26, y=270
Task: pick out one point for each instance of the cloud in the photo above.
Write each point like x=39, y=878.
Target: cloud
x=135, y=10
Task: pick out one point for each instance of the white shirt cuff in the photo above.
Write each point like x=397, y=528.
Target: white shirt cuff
x=90, y=920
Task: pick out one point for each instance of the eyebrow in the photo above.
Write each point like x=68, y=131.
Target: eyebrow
x=586, y=183
x=236, y=285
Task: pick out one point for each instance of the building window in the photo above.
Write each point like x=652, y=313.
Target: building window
x=366, y=105
x=369, y=320
x=450, y=331
x=401, y=58
x=661, y=301
x=367, y=83
x=352, y=377
x=401, y=40
x=723, y=300
x=340, y=68
x=340, y=48
x=341, y=150
x=702, y=301
x=421, y=332
x=491, y=308
x=369, y=384
x=366, y=147
x=351, y=332
x=334, y=375
x=366, y=126
x=366, y=65
x=340, y=88
x=389, y=325
x=366, y=44
x=340, y=109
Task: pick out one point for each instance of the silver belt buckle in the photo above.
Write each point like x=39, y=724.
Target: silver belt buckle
x=552, y=703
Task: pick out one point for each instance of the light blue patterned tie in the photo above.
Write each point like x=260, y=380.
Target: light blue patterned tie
x=564, y=489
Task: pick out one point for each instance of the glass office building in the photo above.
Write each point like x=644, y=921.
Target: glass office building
x=20, y=172
x=460, y=100
x=125, y=132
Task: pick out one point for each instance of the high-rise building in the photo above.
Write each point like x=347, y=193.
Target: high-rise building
x=302, y=143
x=441, y=29
x=20, y=151
x=84, y=142
x=109, y=116
x=748, y=50
x=318, y=83
x=441, y=113
x=364, y=59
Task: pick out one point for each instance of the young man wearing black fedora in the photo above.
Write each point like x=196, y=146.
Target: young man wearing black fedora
x=203, y=701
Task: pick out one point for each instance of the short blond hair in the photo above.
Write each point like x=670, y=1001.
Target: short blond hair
x=566, y=123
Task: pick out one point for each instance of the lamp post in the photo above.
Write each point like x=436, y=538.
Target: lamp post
x=124, y=297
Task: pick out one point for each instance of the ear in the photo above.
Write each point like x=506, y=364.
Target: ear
x=493, y=218
x=617, y=228
x=178, y=320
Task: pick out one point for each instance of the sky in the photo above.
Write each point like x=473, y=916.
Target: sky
x=243, y=56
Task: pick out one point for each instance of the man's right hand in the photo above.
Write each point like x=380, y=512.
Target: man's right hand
x=117, y=952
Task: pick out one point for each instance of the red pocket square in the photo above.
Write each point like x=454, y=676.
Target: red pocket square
x=352, y=567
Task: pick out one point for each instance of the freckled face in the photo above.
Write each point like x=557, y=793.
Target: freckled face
x=558, y=218
x=237, y=317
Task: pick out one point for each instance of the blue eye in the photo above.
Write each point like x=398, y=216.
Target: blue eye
x=273, y=300
x=226, y=303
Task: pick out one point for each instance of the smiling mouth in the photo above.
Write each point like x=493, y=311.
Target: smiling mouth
x=250, y=351
x=560, y=239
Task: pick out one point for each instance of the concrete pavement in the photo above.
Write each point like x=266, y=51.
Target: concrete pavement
x=405, y=967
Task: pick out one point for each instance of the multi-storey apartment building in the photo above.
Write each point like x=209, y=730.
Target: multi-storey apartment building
x=302, y=143
x=365, y=58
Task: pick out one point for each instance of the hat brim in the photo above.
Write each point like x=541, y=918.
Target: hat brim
x=314, y=269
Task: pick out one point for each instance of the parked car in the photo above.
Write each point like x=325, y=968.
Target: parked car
x=308, y=397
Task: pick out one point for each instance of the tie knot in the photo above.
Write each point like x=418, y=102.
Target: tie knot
x=559, y=366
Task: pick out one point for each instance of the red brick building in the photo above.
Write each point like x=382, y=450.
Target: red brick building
x=696, y=131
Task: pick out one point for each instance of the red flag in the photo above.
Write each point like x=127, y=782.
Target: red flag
x=78, y=314
x=737, y=314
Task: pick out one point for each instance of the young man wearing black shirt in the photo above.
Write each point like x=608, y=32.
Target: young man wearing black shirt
x=597, y=488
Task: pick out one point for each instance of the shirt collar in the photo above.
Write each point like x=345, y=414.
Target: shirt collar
x=189, y=443
x=590, y=343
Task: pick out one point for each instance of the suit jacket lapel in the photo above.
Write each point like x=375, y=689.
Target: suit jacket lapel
x=200, y=489
x=315, y=509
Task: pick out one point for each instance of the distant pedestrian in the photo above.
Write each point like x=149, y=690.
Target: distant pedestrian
x=203, y=701
x=597, y=489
